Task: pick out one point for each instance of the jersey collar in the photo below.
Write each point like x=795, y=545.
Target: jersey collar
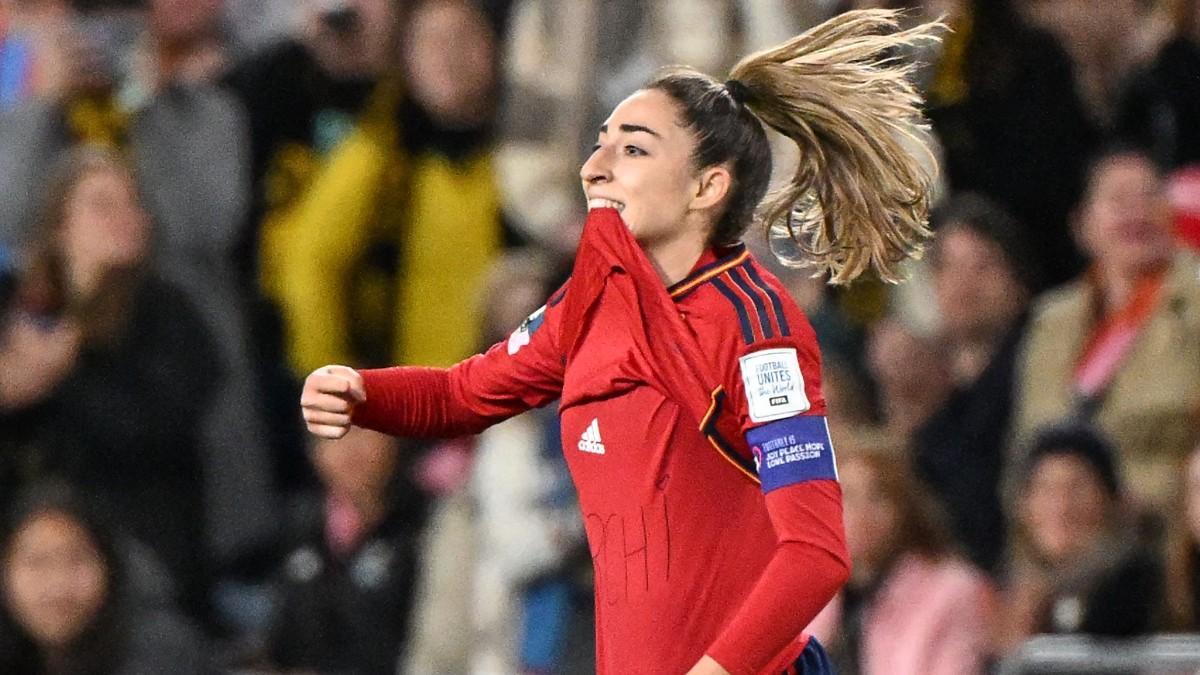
x=712, y=262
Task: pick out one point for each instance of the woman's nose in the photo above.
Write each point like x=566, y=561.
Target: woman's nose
x=595, y=169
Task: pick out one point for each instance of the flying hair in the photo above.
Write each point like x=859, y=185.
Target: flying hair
x=860, y=196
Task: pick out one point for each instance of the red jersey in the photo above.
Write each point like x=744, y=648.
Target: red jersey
x=693, y=424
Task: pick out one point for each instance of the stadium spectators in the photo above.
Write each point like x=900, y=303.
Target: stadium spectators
x=110, y=371
x=1077, y=564
x=912, y=605
x=68, y=603
x=186, y=142
x=1121, y=345
x=983, y=279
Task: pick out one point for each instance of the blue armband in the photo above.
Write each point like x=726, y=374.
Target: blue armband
x=792, y=450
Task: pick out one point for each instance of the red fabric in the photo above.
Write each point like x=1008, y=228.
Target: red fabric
x=689, y=556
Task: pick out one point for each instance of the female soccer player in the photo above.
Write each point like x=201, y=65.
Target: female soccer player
x=689, y=382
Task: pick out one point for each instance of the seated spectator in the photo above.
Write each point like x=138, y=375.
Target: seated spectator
x=1078, y=566
x=1121, y=345
x=68, y=604
x=108, y=370
x=912, y=606
x=983, y=280
x=28, y=63
x=346, y=585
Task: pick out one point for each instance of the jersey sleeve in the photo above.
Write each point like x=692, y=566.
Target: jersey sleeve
x=773, y=393
x=523, y=371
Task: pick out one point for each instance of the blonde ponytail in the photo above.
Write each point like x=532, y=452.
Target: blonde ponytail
x=860, y=196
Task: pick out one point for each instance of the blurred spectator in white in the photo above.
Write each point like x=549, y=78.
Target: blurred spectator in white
x=1160, y=106
x=530, y=536
x=556, y=54
x=912, y=376
x=983, y=279
x=28, y=33
x=912, y=606
x=347, y=580
x=1183, y=553
x=1077, y=564
x=1121, y=345
x=109, y=371
x=68, y=603
x=187, y=142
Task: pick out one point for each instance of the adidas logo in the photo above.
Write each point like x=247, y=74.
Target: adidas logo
x=590, y=440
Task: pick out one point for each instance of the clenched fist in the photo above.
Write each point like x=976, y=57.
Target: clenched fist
x=328, y=399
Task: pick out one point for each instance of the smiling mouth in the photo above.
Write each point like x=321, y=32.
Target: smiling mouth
x=600, y=203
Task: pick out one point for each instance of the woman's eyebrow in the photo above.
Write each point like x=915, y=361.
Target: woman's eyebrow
x=632, y=128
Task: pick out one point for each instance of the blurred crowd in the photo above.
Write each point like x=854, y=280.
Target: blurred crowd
x=203, y=200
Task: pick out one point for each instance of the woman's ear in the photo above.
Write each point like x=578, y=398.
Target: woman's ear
x=712, y=186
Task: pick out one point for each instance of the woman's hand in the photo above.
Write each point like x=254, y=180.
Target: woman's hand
x=328, y=399
x=707, y=666
x=35, y=356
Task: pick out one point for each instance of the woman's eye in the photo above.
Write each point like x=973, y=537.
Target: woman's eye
x=634, y=150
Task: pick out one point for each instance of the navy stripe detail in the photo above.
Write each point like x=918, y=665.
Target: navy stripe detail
x=763, y=319
x=743, y=316
x=726, y=449
x=775, y=302
x=736, y=251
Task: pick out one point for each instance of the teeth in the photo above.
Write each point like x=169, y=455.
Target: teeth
x=599, y=203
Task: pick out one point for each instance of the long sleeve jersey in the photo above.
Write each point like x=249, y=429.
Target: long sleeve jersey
x=694, y=428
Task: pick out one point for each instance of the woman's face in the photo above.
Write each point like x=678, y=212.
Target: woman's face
x=451, y=61
x=869, y=512
x=1126, y=220
x=55, y=579
x=104, y=221
x=642, y=166
x=1065, y=507
x=978, y=293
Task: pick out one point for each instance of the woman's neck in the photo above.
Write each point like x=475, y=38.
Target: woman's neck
x=1118, y=285
x=674, y=259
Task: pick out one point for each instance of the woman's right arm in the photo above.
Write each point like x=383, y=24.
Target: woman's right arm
x=523, y=372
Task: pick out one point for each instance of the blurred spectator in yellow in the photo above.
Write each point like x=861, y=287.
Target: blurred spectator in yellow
x=1077, y=564
x=67, y=604
x=983, y=278
x=347, y=579
x=379, y=212
x=1183, y=553
x=109, y=372
x=1160, y=106
x=187, y=142
x=912, y=605
x=1121, y=345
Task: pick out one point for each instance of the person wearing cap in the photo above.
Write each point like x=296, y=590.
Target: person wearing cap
x=1077, y=565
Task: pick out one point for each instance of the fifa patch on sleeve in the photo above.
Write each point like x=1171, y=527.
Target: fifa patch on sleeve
x=521, y=336
x=774, y=385
x=793, y=450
